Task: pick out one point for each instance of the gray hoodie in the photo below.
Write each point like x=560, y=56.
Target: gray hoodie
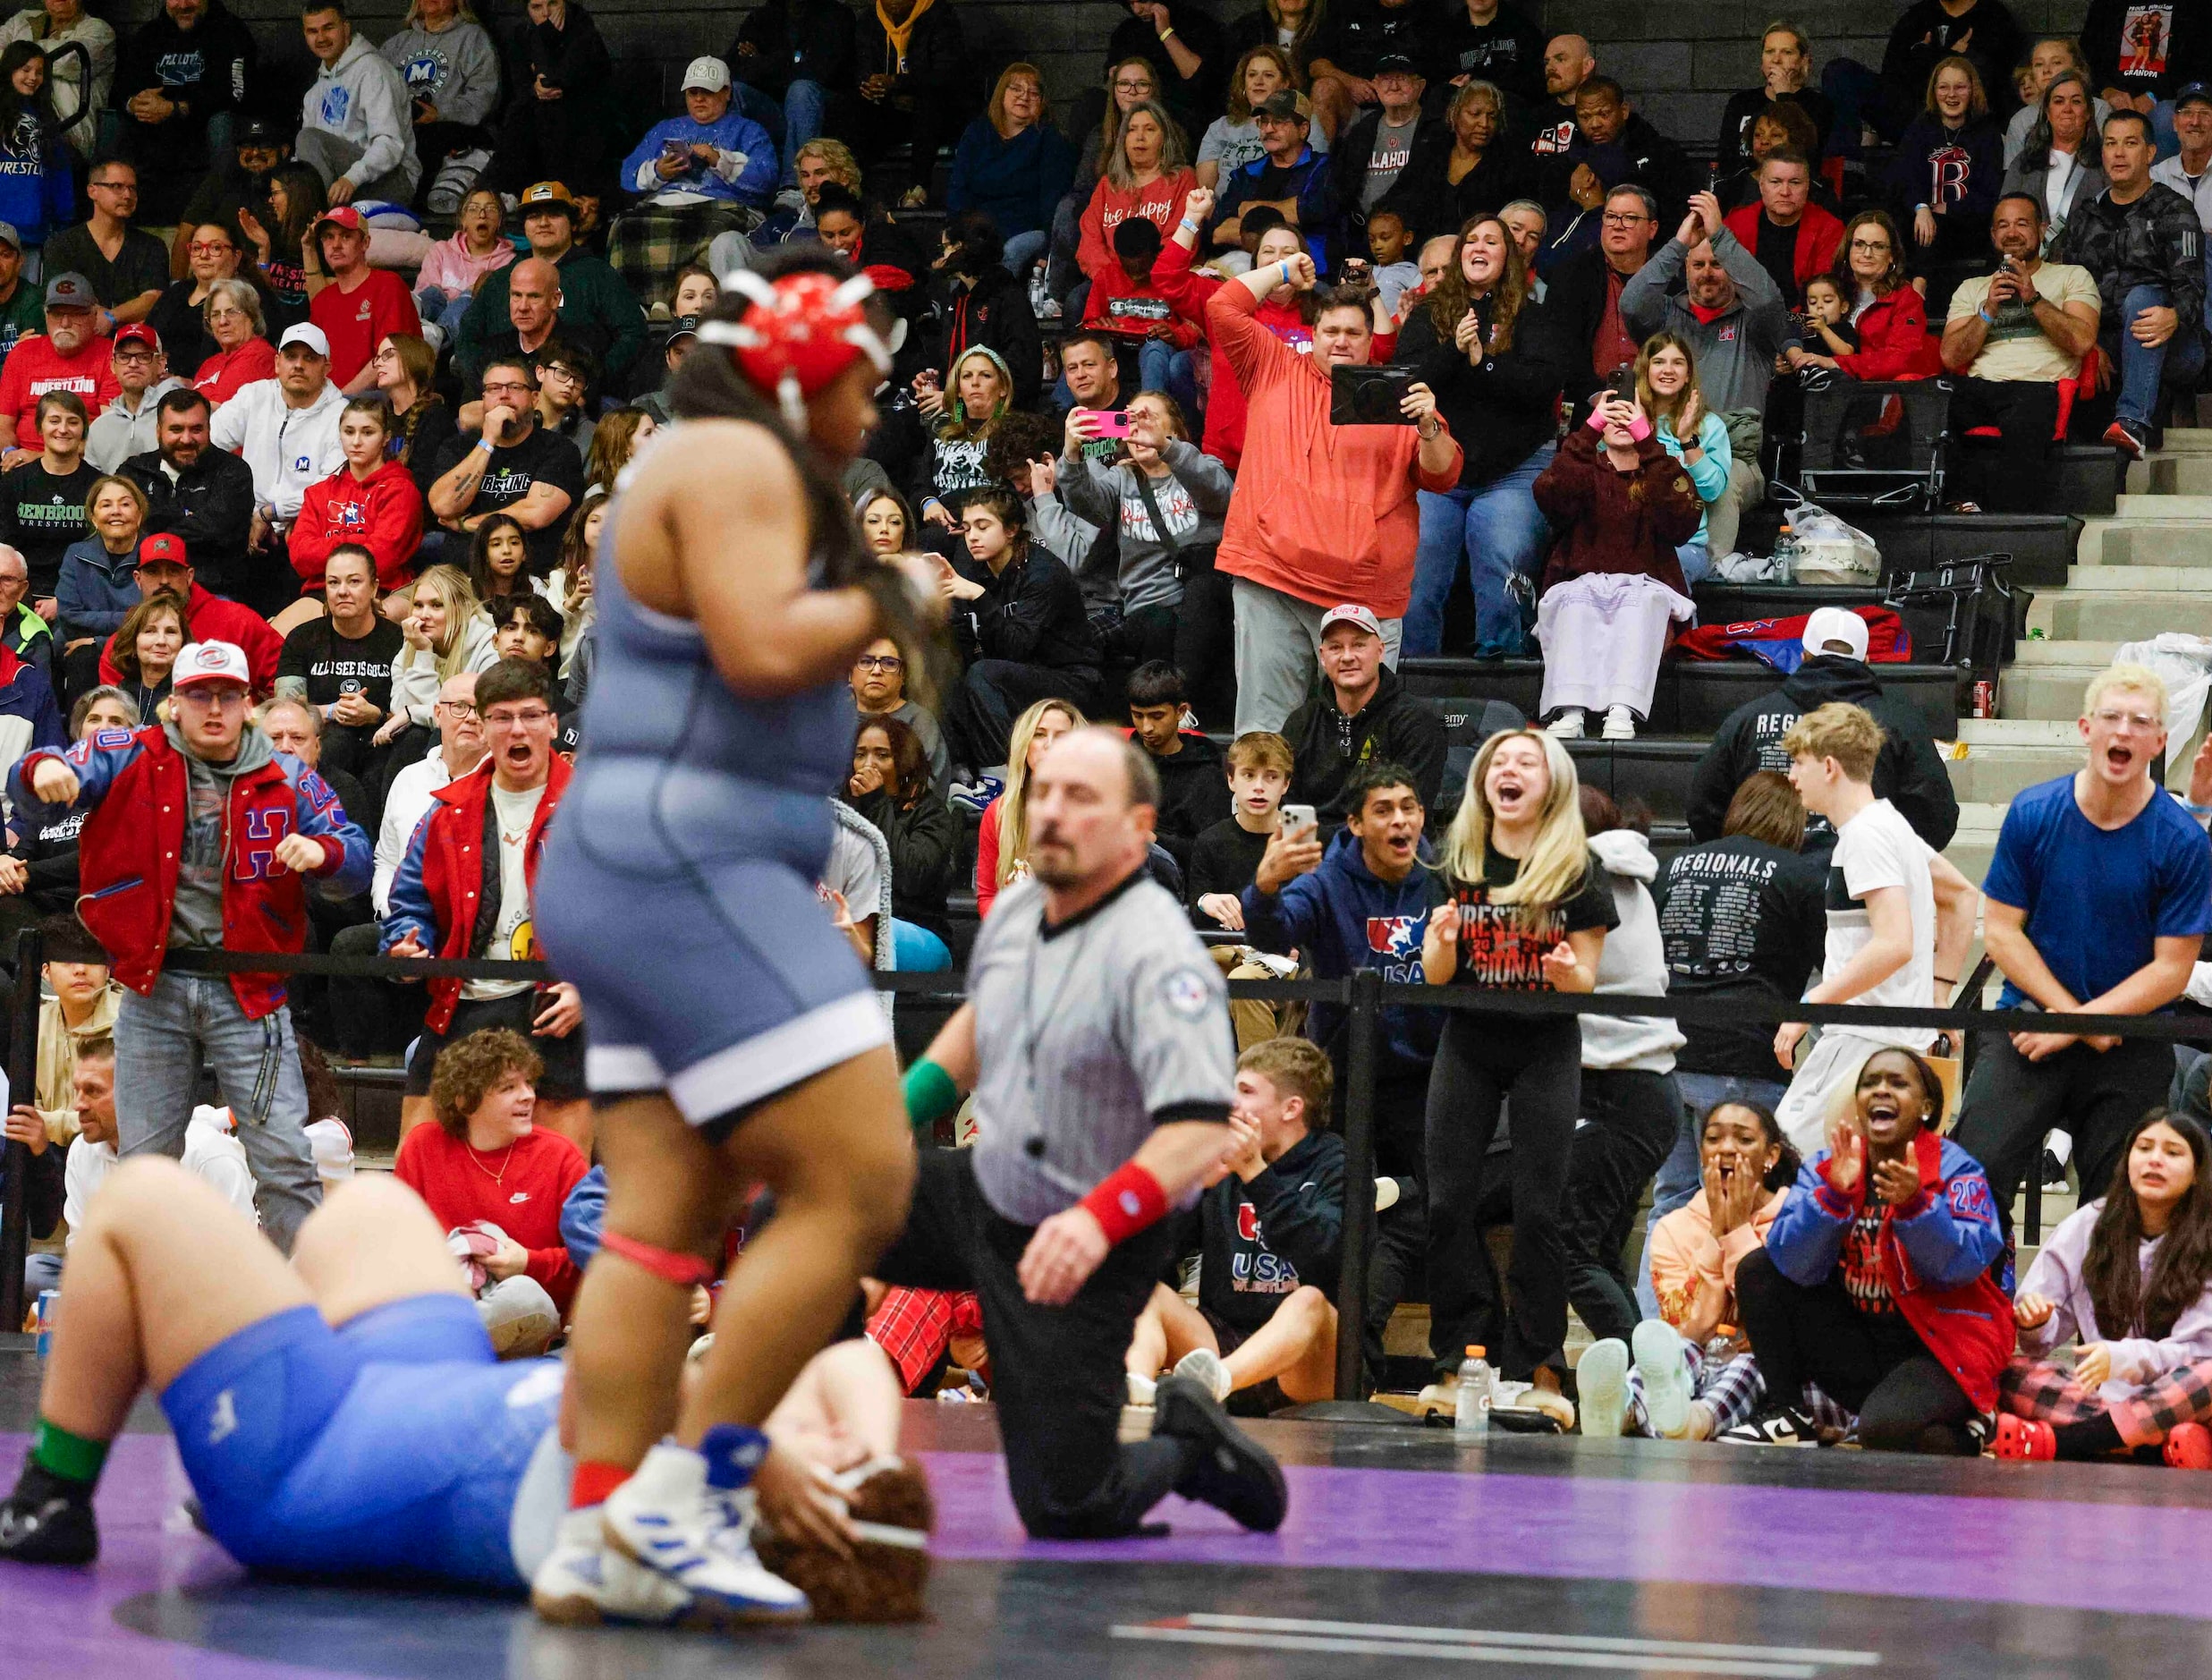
x=361, y=98
x=1634, y=961
x=1192, y=499
x=1735, y=353
x=198, y=917
x=121, y=431
x=456, y=69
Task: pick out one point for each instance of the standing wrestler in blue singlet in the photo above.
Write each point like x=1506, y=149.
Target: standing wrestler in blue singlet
x=734, y=1038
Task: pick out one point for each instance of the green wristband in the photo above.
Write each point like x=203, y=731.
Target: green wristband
x=930, y=1095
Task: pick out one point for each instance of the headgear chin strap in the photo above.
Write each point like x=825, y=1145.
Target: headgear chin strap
x=802, y=333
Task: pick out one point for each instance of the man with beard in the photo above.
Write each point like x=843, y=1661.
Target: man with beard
x=67, y=357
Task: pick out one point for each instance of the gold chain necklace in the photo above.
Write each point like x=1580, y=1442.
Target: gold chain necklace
x=498, y=1177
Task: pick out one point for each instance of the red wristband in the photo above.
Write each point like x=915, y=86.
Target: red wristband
x=1125, y=1202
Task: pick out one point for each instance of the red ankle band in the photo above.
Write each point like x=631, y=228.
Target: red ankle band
x=686, y=1271
x=593, y=1482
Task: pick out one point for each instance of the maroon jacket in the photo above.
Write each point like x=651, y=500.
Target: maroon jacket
x=1610, y=521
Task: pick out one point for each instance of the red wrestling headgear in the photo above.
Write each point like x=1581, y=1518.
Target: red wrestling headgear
x=802, y=333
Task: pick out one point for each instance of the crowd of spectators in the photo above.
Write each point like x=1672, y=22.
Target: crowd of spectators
x=1295, y=344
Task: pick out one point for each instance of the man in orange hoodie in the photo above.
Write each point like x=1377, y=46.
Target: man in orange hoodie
x=1322, y=513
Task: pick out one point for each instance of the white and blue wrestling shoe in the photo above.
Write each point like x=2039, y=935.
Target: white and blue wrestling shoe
x=688, y=1517
x=584, y=1581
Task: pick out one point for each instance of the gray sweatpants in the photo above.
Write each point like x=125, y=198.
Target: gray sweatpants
x=1278, y=646
x=331, y=155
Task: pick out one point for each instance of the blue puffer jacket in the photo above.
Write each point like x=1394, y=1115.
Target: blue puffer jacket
x=1344, y=917
x=97, y=588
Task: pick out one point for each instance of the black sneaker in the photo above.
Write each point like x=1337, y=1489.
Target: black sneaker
x=2126, y=439
x=1777, y=1426
x=42, y=1527
x=1235, y=1473
x=2053, y=1171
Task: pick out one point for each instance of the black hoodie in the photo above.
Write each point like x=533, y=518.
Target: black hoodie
x=1261, y=1240
x=1909, y=774
x=1194, y=794
x=210, y=67
x=1394, y=728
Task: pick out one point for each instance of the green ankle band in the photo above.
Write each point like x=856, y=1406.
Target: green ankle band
x=71, y=1457
x=930, y=1095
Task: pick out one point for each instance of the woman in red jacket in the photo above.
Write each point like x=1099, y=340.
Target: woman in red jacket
x=371, y=500
x=496, y=1184
x=1891, y=320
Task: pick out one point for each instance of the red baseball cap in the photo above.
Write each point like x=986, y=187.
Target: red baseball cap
x=344, y=215
x=164, y=549
x=139, y=333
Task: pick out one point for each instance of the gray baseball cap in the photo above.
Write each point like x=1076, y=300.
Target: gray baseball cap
x=13, y=239
x=71, y=291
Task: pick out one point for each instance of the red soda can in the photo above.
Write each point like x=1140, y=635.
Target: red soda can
x=1984, y=697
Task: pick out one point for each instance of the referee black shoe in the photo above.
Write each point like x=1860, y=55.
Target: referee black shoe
x=1234, y=1472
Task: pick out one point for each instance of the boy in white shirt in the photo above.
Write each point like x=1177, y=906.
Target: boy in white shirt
x=1900, y=918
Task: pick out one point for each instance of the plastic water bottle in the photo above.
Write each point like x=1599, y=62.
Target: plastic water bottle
x=1787, y=552
x=1470, y=1411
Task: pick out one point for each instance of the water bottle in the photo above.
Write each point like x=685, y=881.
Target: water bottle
x=1470, y=1410
x=1787, y=552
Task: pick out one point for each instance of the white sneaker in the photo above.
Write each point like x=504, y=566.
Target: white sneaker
x=1667, y=1379
x=584, y=1581
x=1203, y=1366
x=1620, y=723
x=1601, y=1381
x=667, y=1518
x=1567, y=725
x=1140, y=1389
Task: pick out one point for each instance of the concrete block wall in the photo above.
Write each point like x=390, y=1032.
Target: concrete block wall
x=1680, y=63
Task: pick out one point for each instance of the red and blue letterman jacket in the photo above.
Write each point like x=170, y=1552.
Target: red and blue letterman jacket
x=1940, y=1256
x=1263, y=1240
x=446, y=893
x=133, y=785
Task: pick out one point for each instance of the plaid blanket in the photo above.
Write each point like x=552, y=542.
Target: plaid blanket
x=649, y=244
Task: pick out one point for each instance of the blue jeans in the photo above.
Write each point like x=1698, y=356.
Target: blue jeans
x=917, y=950
x=163, y=1038
x=1501, y=535
x=791, y=125
x=1161, y=367
x=1679, y=1177
x=2144, y=368
x=1695, y=559
x=444, y=308
x=1024, y=249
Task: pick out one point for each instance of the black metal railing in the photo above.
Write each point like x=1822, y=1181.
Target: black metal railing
x=1364, y=997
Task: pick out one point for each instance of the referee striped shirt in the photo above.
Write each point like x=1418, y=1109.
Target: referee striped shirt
x=1089, y=1034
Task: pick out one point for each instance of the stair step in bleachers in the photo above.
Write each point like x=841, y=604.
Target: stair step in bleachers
x=1693, y=697
x=2042, y=545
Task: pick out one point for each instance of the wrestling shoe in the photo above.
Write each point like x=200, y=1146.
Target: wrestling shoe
x=584, y=1581
x=1203, y=1366
x=2188, y=1447
x=2024, y=1438
x=48, y=1521
x=889, y=1507
x=1665, y=1375
x=1234, y=1472
x=688, y=1515
x=1777, y=1426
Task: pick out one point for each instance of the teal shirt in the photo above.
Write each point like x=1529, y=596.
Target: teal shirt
x=1710, y=476
x=25, y=312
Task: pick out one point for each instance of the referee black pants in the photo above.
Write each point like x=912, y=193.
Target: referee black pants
x=2098, y=1096
x=1057, y=1373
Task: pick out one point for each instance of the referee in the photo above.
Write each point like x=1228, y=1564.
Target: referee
x=1097, y=1038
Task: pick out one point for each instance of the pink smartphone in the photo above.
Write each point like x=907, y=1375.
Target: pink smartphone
x=1112, y=422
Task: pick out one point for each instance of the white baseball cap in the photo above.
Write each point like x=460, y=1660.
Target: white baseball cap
x=1825, y=624
x=708, y=73
x=211, y=662
x=308, y=335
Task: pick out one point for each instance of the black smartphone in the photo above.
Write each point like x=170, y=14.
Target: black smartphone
x=1369, y=396
x=1622, y=384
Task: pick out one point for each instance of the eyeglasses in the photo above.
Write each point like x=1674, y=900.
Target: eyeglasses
x=1880, y=245
x=2143, y=721
x=1126, y=86
x=505, y=385
x=209, y=247
x=1624, y=218
x=113, y=186
x=459, y=709
x=215, y=697
x=557, y=371
x=881, y=662
x=518, y=720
